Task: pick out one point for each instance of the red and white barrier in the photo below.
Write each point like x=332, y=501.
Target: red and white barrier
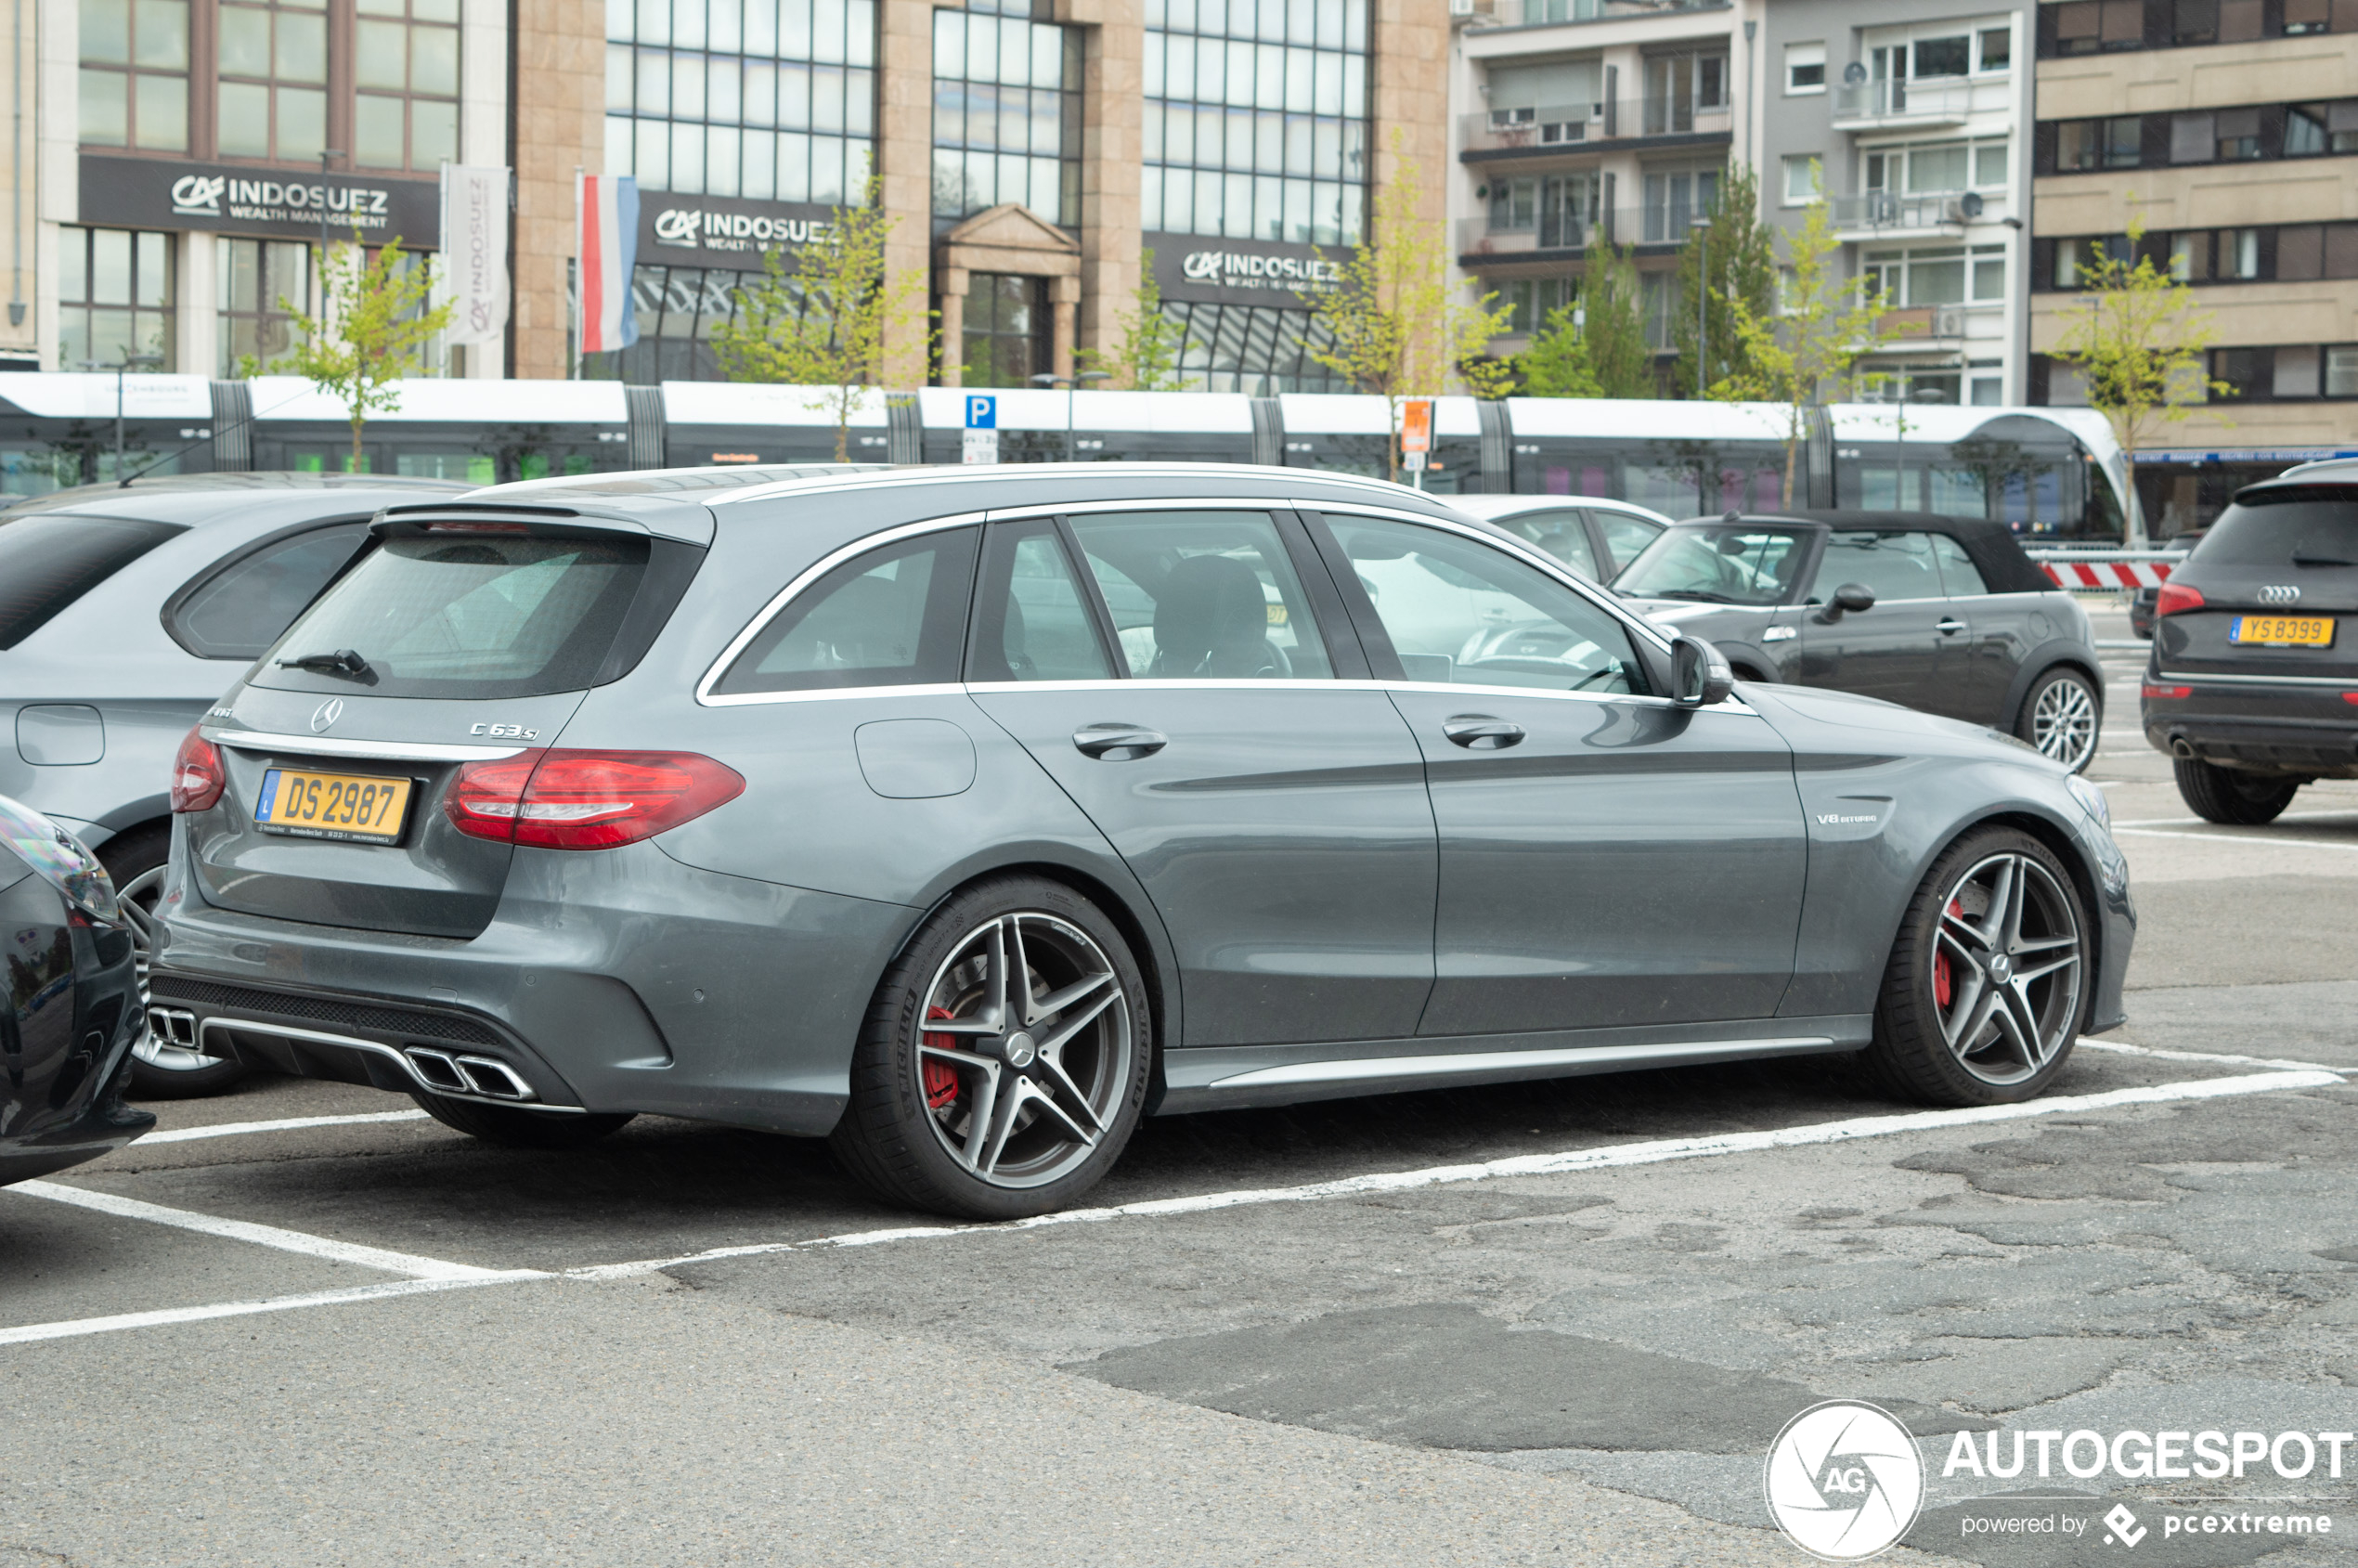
x=2112, y=572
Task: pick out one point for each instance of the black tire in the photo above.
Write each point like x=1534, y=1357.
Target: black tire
x=2062, y=715
x=2230, y=795
x=1919, y=1006
x=159, y=1072
x=919, y=1130
x=518, y=1128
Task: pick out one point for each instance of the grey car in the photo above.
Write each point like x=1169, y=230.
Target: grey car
x=965, y=817
x=1942, y=613
x=124, y=611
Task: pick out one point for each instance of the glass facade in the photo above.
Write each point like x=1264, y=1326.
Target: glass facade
x=255, y=275
x=273, y=85
x=406, y=65
x=114, y=297
x=1260, y=350
x=1256, y=118
x=1006, y=113
x=135, y=75
x=1006, y=338
x=768, y=100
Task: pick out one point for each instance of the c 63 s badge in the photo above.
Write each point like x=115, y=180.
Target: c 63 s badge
x=503, y=731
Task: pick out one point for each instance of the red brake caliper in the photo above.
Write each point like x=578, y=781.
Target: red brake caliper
x=1942, y=988
x=942, y=1079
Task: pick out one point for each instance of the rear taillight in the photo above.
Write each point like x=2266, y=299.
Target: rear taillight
x=563, y=800
x=197, y=776
x=2172, y=692
x=2175, y=597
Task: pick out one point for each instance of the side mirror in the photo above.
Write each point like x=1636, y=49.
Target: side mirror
x=1699, y=673
x=1850, y=598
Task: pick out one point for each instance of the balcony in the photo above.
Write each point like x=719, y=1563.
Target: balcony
x=1478, y=237
x=1884, y=214
x=1877, y=106
x=1575, y=128
x=1545, y=13
x=1921, y=326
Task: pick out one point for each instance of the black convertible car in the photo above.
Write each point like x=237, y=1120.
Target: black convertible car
x=69, y=1002
x=1942, y=613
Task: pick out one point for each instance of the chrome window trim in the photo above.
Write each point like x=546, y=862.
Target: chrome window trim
x=705, y=697
x=382, y=751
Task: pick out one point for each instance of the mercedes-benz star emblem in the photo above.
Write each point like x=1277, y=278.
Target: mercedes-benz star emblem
x=326, y=714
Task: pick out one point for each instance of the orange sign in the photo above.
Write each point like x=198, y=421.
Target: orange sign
x=1416, y=425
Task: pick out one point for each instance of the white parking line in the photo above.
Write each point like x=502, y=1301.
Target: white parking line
x=291, y=1123
x=434, y=1274
x=2124, y=1048
x=263, y=1235
x=1610, y=1157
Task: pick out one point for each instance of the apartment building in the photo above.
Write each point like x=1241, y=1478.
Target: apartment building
x=2229, y=128
x=184, y=154
x=1910, y=118
x=1582, y=123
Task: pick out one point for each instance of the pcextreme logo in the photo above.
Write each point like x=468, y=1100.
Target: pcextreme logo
x=1844, y=1481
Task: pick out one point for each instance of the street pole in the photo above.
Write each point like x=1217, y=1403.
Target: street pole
x=120, y=368
x=1068, y=383
x=1703, y=301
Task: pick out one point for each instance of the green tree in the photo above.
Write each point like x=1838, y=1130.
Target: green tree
x=373, y=331
x=824, y=325
x=1145, y=357
x=1595, y=345
x=2136, y=339
x=1556, y=365
x=1795, y=355
x=1736, y=257
x=1393, y=324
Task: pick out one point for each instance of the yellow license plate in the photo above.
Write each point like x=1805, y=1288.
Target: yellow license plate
x=313, y=805
x=2293, y=631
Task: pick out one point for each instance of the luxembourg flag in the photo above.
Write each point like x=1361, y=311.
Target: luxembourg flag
x=608, y=244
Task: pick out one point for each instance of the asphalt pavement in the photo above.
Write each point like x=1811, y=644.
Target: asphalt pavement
x=1553, y=1322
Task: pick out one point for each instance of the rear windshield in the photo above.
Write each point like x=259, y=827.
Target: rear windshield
x=1716, y=564
x=2299, y=526
x=464, y=615
x=48, y=562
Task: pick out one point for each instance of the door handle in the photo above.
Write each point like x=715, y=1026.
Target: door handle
x=1479, y=732
x=1119, y=743
x=1949, y=626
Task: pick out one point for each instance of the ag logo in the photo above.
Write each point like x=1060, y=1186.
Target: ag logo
x=326, y=714
x=1844, y=1481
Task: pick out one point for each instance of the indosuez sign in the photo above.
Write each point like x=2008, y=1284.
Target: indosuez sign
x=241, y=199
x=723, y=227
x=1211, y=271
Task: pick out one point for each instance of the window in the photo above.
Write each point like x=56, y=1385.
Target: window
x=1624, y=535
x=406, y=64
x=1805, y=68
x=1948, y=274
x=1994, y=50
x=135, y=75
x=1960, y=579
x=241, y=609
x=1458, y=612
x=2116, y=143
x=114, y=296
x=2296, y=373
x=1933, y=168
x=1006, y=113
x=255, y=276
x=1674, y=200
x=47, y=563
x=1719, y=564
x=1005, y=328
x=2246, y=372
x=1261, y=350
x=1801, y=182
x=1203, y=595
x=1531, y=299
x=769, y=100
x=1256, y=120
x=1560, y=533
x=2341, y=372
x=1951, y=55
x=1032, y=620
x=895, y=616
x=1679, y=87
x=1896, y=565
x=273, y=89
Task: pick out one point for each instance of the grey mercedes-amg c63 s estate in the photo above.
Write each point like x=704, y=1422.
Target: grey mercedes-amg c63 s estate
x=965, y=816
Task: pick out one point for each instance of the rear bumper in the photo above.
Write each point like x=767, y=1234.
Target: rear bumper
x=2309, y=731
x=104, y=1125
x=615, y=981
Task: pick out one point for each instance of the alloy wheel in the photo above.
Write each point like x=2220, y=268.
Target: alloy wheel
x=2062, y=723
x=138, y=897
x=2006, y=970
x=1026, y=1049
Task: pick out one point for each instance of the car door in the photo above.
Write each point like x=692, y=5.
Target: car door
x=1608, y=858
x=1892, y=651
x=1186, y=696
x=1983, y=637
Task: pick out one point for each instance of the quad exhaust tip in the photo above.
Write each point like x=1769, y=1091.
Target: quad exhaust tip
x=172, y=1026
x=480, y=1076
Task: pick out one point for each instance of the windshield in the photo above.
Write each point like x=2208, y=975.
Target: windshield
x=465, y=613
x=2308, y=525
x=1718, y=563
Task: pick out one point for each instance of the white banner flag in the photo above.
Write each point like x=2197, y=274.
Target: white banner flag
x=474, y=251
